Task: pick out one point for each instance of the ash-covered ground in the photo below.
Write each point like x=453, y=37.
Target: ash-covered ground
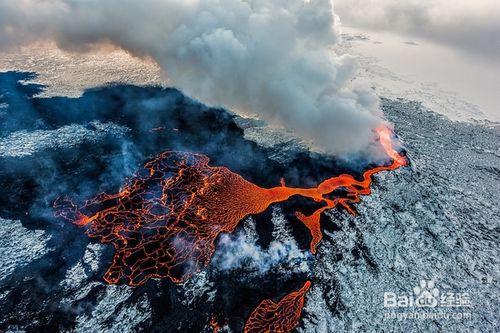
x=435, y=220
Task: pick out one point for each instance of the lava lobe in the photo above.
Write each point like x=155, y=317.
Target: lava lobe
x=283, y=316
x=165, y=220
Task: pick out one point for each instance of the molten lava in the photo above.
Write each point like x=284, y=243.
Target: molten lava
x=165, y=220
x=214, y=324
x=283, y=316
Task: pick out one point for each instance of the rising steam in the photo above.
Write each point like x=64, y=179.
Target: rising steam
x=272, y=58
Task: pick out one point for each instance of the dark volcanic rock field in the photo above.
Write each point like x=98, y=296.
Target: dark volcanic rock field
x=436, y=220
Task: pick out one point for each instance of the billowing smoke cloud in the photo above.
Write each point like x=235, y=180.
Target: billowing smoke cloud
x=272, y=58
x=237, y=252
x=241, y=251
x=470, y=25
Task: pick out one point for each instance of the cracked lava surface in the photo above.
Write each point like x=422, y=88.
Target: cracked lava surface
x=165, y=220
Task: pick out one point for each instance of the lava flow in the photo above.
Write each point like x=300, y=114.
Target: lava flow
x=273, y=317
x=165, y=220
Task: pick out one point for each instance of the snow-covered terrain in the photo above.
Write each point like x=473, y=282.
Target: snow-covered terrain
x=80, y=122
x=69, y=74
x=459, y=85
x=437, y=219
x=19, y=246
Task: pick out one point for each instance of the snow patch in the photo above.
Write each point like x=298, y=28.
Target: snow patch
x=19, y=246
x=23, y=143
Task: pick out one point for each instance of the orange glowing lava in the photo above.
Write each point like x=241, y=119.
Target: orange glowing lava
x=273, y=317
x=165, y=220
x=214, y=324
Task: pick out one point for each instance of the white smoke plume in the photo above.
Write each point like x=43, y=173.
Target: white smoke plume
x=237, y=252
x=272, y=58
x=240, y=251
